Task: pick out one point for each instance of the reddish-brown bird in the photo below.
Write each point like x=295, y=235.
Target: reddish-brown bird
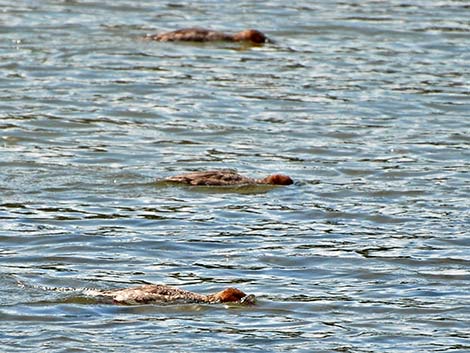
x=227, y=177
x=159, y=293
x=207, y=35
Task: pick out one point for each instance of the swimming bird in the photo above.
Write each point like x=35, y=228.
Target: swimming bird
x=159, y=294
x=227, y=177
x=207, y=35
x=152, y=294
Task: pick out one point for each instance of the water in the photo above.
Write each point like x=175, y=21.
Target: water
x=364, y=103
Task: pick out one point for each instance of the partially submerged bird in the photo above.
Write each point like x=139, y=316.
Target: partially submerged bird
x=153, y=294
x=160, y=294
x=227, y=177
x=207, y=35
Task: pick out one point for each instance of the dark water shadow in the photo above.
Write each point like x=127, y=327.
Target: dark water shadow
x=237, y=189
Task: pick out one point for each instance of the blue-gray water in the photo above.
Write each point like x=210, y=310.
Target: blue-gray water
x=364, y=103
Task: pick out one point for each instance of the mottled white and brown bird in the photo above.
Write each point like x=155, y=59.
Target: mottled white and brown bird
x=160, y=294
x=226, y=178
x=207, y=35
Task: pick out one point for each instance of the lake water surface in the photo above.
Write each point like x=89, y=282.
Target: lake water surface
x=364, y=103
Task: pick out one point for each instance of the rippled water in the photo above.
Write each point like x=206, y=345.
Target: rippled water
x=364, y=103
